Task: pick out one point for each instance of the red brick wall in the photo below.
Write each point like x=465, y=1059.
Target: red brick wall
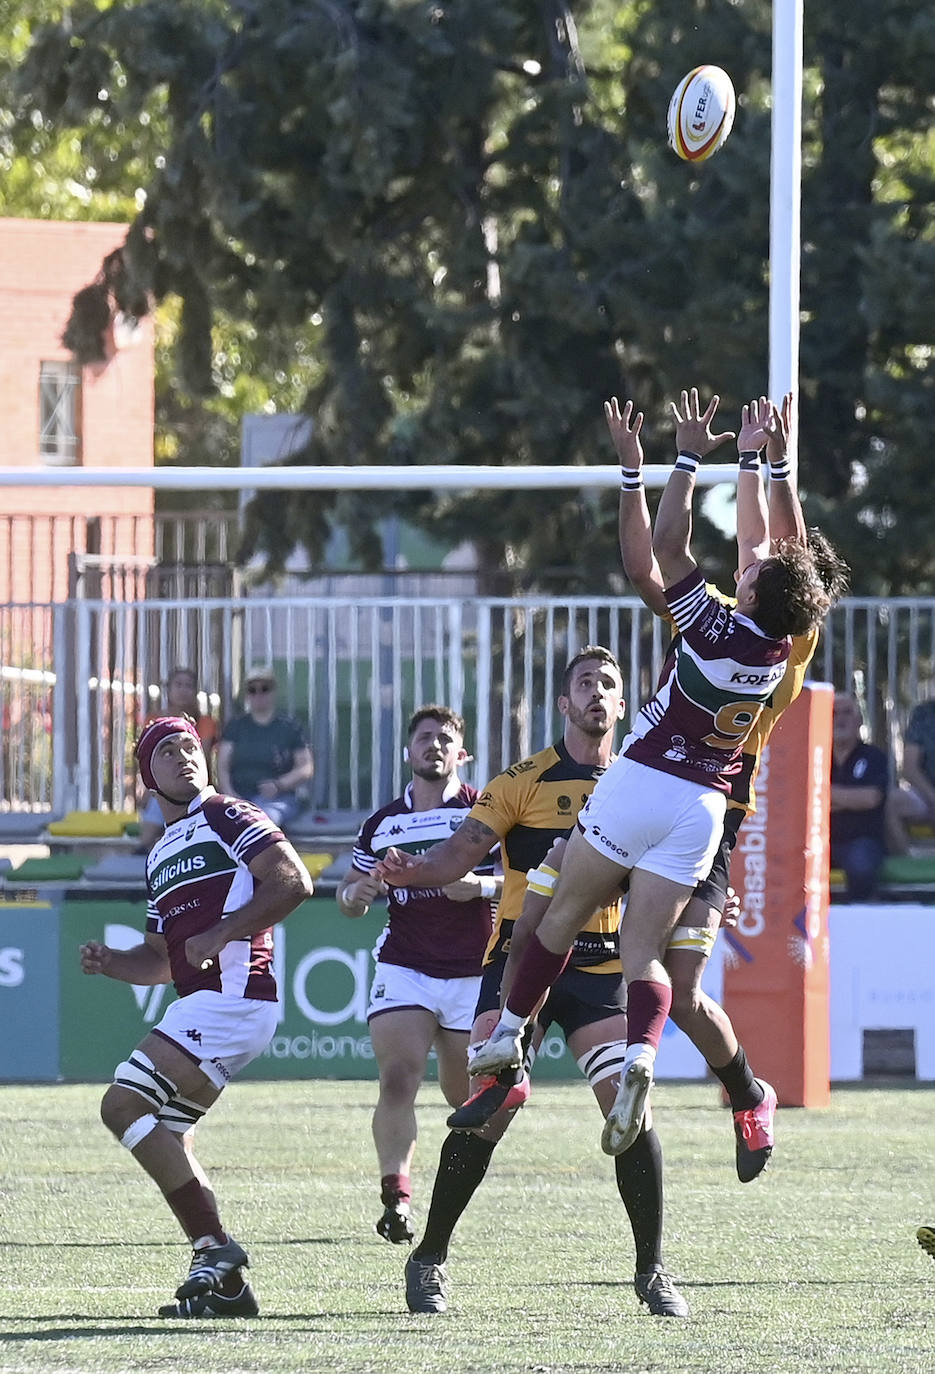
x=42, y=265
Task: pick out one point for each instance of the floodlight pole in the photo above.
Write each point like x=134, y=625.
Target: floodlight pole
x=785, y=204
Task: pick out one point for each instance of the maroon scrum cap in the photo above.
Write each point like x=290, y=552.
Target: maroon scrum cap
x=154, y=733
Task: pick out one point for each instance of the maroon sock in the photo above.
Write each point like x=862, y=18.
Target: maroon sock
x=647, y=1011
x=538, y=970
x=395, y=1188
x=196, y=1212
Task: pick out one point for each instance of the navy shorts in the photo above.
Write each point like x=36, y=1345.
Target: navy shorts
x=578, y=999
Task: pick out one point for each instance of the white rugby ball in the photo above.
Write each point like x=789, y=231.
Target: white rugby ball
x=701, y=113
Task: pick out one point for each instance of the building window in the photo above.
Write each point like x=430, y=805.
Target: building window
x=60, y=412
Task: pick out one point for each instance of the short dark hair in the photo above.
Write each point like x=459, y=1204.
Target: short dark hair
x=433, y=711
x=791, y=596
x=596, y=651
x=180, y=670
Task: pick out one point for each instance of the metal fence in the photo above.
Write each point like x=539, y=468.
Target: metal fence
x=77, y=678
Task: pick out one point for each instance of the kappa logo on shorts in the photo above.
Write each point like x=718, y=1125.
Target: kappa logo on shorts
x=194, y=1035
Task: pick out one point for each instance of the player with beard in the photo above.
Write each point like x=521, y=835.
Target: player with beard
x=428, y=957
x=527, y=808
x=218, y=878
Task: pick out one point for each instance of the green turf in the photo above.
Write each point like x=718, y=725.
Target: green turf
x=812, y=1268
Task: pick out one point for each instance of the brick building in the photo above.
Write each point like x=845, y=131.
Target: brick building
x=54, y=413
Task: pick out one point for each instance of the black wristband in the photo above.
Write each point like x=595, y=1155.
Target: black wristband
x=750, y=460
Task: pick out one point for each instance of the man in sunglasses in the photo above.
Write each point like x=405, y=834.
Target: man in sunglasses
x=264, y=755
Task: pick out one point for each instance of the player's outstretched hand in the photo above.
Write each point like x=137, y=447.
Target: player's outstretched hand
x=396, y=867
x=95, y=957
x=755, y=420
x=625, y=426
x=778, y=427
x=693, y=425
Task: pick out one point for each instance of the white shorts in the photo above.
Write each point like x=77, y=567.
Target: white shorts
x=450, y=1000
x=221, y=1033
x=643, y=818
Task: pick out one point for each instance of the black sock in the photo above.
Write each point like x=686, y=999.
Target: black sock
x=639, y=1182
x=739, y=1084
x=461, y=1167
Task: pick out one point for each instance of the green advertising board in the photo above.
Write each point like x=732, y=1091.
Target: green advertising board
x=324, y=966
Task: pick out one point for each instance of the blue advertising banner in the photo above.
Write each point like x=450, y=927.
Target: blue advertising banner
x=29, y=1001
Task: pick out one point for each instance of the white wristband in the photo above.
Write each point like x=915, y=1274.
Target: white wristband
x=542, y=880
x=488, y=888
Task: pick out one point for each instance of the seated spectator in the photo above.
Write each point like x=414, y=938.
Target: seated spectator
x=181, y=699
x=916, y=801
x=264, y=755
x=859, y=785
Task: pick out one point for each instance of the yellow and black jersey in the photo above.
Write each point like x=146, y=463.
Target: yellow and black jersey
x=742, y=793
x=529, y=806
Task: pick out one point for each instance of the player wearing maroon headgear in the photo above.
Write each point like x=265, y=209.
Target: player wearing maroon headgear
x=218, y=879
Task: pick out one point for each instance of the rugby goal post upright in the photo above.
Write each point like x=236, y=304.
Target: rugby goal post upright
x=776, y=976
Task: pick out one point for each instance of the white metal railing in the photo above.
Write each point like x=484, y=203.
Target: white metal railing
x=77, y=677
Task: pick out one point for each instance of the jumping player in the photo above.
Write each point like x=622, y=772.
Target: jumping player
x=658, y=813
x=527, y=808
x=760, y=530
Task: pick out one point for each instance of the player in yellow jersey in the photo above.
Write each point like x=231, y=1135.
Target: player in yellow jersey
x=527, y=808
x=760, y=526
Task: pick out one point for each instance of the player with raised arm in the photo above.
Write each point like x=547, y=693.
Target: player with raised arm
x=528, y=808
x=657, y=814
x=428, y=957
x=760, y=529
x=218, y=878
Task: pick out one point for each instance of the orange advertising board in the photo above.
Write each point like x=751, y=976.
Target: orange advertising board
x=776, y=986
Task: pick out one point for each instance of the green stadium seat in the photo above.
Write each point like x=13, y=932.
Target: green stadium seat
x=908, y=868
x=57, y=868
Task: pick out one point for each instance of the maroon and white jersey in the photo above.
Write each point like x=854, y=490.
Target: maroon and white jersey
x=426, y=930
x=724, y=672
x=195, y=873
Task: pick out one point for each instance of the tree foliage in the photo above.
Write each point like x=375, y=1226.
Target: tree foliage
x=457, y=228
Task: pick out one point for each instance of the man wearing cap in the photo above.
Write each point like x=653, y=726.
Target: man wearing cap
x=221, y=875
x=264, y=755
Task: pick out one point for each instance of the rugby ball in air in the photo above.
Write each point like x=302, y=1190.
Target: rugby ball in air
x=701, y=113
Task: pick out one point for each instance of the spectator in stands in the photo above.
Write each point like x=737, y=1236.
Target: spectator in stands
x=181, y=699
x=860, y=776
x=264, y=755
x=916, y=801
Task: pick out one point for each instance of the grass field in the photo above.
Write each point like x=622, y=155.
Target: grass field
x=812, y=1268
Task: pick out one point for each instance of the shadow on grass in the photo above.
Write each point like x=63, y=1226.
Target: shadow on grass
x=163, y=1244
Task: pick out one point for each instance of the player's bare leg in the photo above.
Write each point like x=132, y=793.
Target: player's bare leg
x=654, y=905
x=401, y=1042
x=156, y=1076
x=708, y=1026
x=585, y=883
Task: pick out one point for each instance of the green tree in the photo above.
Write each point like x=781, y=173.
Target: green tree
x=467, y=220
